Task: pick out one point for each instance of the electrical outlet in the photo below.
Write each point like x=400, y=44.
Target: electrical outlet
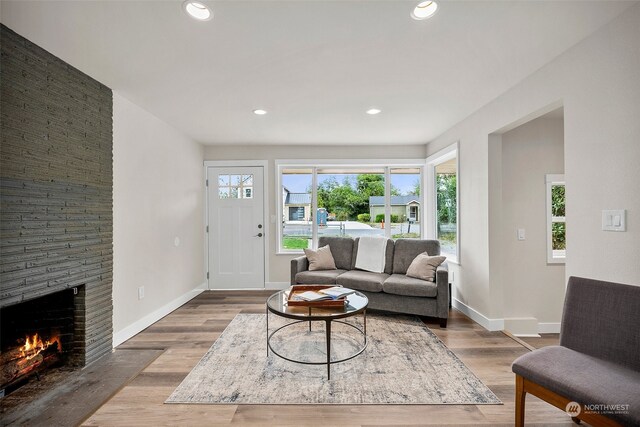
x=141, y=292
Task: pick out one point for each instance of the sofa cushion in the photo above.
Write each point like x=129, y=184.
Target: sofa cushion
x=318, y=277
x=583, y=379
x=399, y=284
x=388, y=266
x=362, y=280
x=424, y=267
x=322, y=259
x=341, y=249
x=406, y=250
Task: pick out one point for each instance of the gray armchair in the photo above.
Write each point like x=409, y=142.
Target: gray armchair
x=597, y=361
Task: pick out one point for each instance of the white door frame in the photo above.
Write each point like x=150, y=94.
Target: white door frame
x=265, y=180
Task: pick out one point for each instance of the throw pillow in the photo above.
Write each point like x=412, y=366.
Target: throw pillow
x=322, y=259
x=424, y=266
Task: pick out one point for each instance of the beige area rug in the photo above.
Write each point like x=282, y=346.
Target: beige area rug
x=404, y=363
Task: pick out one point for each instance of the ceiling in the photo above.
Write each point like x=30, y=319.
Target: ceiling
x=315, y=66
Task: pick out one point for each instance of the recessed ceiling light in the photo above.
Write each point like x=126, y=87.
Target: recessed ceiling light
x=373, y=111
x=260, y=112
x=197, y=10
x=424, y=10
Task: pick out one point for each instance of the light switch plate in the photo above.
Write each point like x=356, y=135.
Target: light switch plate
x=614, y=220
x=521, y=234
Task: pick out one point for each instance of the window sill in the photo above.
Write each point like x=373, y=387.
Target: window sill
x=298, y=253
x=453, y=261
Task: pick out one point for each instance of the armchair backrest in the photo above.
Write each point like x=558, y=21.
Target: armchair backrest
x=602, y=319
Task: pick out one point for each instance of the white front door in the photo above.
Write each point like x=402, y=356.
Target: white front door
x=236, y=227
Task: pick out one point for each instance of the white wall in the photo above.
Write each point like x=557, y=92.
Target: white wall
x=533, y=290
x=279, y=264
x=157, y=197
x=597, y=83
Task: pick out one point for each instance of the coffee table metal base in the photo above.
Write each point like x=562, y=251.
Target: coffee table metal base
x=329, y=362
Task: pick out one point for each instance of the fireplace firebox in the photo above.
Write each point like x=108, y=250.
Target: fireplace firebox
x=38, y=335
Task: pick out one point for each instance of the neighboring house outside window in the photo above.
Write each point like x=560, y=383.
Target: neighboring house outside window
x=403, y=208
x=297, y=206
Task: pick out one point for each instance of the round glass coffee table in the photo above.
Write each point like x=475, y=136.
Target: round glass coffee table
x=356, y=304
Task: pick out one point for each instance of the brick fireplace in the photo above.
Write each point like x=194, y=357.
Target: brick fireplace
x=56, y=183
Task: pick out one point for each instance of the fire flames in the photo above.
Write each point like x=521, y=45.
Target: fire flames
x=34, y=345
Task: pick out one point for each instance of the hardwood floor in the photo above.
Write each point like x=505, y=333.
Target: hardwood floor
x=187, y=334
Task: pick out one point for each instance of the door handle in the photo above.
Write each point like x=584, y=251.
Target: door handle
x=258, y=235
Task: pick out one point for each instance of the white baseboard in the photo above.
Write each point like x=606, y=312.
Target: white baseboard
x=277, y=285
x=549, y=328
x=476, y=316
x=522, y=326
x=148, y=320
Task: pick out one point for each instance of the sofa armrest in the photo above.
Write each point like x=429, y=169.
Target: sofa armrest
x=298, y=265
x=442, y=282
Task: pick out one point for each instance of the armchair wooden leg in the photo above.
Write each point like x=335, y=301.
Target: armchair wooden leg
x=520, y=399
x=443, y=323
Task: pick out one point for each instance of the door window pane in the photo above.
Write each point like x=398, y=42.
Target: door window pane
x=235, y=186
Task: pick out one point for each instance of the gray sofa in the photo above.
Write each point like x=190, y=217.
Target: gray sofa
x=388, y=291
x=597, y=361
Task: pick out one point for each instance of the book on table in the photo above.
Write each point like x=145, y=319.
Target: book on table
x=314, y=296
x=337, y=291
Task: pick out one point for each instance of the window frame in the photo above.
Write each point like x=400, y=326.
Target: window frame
x=552, y=180
x=432, y=161
x=314, y=165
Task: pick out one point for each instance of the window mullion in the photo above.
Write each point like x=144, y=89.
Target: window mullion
x=387, y=202
x=314, y=207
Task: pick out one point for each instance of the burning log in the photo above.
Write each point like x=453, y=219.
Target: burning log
x=23, y=361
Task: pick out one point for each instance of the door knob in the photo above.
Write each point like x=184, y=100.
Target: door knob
x=258, y=235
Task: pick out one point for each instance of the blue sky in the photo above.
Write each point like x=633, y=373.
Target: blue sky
x=300, y=183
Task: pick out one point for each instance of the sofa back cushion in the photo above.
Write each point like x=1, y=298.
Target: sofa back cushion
x=406, y=250
x=601, y=319
x=341, y=249
x=322, y=259
x=388, y=266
